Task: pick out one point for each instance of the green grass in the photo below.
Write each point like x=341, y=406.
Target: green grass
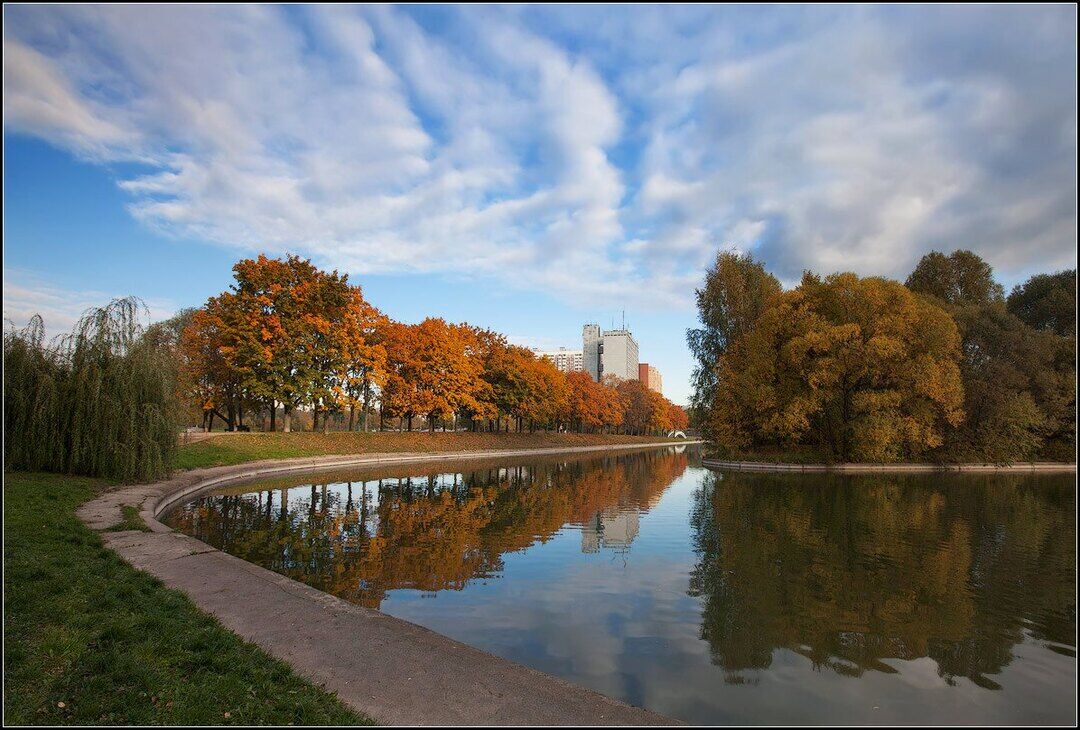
x=132, y=521
x=237, y=448
x=90, y=640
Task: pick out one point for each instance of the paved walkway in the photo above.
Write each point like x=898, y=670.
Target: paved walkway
x=389, y=669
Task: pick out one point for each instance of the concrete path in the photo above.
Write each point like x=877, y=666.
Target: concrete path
x=389, y=669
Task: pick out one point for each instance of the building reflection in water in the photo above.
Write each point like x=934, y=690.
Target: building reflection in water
x=610, y=528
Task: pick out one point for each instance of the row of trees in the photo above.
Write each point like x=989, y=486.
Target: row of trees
x=288, y=334
x=944, y=367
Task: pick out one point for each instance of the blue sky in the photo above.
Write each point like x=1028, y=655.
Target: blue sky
x=528, y=168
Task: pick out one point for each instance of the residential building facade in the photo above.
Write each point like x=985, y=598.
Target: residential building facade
x=569, y=361
x=614, y=352
x=651, y=377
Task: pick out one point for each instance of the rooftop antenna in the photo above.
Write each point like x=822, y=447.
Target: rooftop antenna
x=624, y=319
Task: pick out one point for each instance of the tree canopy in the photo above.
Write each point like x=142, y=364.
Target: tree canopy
x=289, y=334
x=735, y=293
x=942, y=368
x=1047, y=302
x=860, y=367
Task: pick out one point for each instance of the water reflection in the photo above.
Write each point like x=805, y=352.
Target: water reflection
x=717, y=598
x=851, y=572
x=360, y=539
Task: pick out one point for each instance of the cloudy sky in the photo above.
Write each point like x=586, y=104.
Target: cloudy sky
x=528, y=168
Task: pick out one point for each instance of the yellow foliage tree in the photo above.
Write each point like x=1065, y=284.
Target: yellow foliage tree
x=860, y=367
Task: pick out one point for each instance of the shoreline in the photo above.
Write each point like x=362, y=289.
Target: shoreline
x=904, y=468
x=383, y=667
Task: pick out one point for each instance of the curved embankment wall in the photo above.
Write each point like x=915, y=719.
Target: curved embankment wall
x=1036, y=466
x=386, y=668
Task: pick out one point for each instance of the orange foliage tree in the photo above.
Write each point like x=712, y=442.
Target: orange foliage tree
x=289, y=334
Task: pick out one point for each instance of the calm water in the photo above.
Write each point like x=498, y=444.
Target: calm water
x=716, y=598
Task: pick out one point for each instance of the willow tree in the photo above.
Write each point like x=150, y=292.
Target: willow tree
x=100, y=401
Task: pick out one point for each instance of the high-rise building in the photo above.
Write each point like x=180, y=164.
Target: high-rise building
x=651, y=377
x=569, y=361
x=590, y=350
x=614, y=352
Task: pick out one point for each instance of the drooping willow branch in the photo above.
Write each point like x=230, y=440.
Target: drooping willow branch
x=99, y=401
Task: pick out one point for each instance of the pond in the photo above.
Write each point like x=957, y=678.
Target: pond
x=717, y=598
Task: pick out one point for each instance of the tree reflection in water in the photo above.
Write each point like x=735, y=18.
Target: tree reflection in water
x=853, y=571
x=429, y=533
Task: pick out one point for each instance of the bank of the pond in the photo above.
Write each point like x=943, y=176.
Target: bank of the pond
x=380, y=666
x=90, y=640
x=857, y=468
x=220, y=449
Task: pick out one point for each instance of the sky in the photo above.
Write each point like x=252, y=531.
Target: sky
x=528, y=168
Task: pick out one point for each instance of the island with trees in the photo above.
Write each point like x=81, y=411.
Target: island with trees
x=943, y=368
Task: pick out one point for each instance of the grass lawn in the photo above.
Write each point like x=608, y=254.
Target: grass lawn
x=90, y=640
x=236, y=448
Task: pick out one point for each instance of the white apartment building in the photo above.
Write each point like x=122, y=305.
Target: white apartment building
x=614, y=352
x=569, y=361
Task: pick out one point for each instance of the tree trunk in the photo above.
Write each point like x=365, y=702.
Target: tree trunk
x=367, y=402
x=273, y=416
x=287, y=417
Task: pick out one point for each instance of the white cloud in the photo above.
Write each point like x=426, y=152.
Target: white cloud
x=589, y=153
x=27, y=294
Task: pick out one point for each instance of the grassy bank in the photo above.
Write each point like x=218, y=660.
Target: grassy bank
x=90, y=640
x=236, y=448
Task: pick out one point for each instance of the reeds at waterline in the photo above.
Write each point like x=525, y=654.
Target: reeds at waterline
x=100, y=401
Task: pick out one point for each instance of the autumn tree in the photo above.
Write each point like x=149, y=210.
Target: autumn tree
x=548, y=397
x=638, y=406
x=736, y=291
x=329, y=324
x=1017, y=369
x=431, y=372
x=485, y=347
x=961, y=277
x=677, y=415
x=401, y=397
x=859, y=367
x=508, y=370
x=205, y=377
x=364, y=358
x=585, y=401
x=1047, y=302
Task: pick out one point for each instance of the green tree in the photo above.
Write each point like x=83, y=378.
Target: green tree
x=962, y=277
x=1047, y=302
x=736, y=291
x=1011, y=395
